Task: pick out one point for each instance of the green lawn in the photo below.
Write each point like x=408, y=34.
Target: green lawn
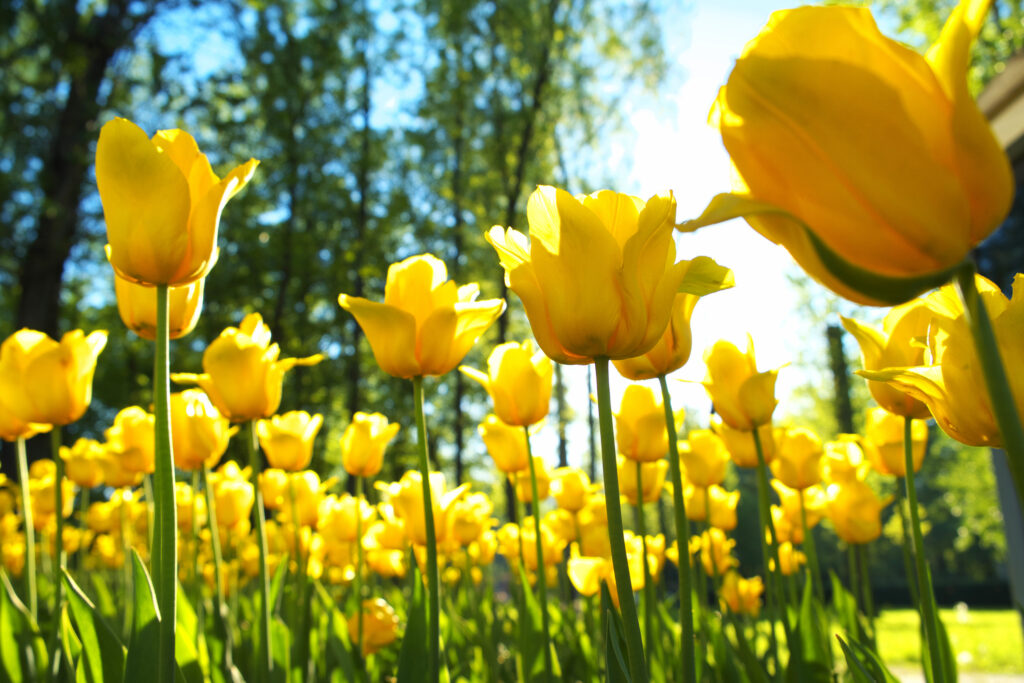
x=987, y=641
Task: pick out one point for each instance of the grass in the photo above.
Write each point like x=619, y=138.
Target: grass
x=985, y=641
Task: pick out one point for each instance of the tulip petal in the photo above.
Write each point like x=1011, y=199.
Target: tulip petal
x=702, y=277
x=391, y=333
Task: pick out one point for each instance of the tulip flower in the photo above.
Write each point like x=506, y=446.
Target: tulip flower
x=870, y=163
x=653, y=475
x=305, y=494
x=952, y=387
x=200, y=433
x=741, y=446
x=740, y=595
x=287, y=439
x=797, y=462
x=13, y=428
x=136, y=305
x=521, y=480
x=427, y=323
x=83, y=462
x=363, y=443
x=243, y=374
x=844, y=460
x=713, y=500
x=883, y=442
x=341, y=516
x=379, y=627
x=705, y=458
x=506, y=444
x=742, y=396
x=518, y=380
x=587, y=572
x=162, y=203
x=45, y=381
x=571, y=487
x=130, y=440
x=274, y=487
x=671, y=351
x=640, y=425
x=188, y=500
x=598, y=276
x=855, y=511
x=406, y=497
x=899, y=344
x=233, y=494
x=715, y=551
x=787, y=520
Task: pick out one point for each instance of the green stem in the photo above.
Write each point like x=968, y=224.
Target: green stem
x=264, y=657
x=197, y=580
x=929, y=612
x=869, y=599
x=769, y=551
x=433, y=583
x=61, y=563
x=542, y=581
x=30, y=533
x=359, y=569
x=812, y=551
x=222, y=613
x=687, y=655
x=620, y=565
x=907, y=544
x=641, y=527
x=1004, y=409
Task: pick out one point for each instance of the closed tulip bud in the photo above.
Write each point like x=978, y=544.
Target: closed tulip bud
x=199, y=432
x=721, y=504
x=855, y=511
x=882, y=209
x=13, y=554
x=521, y=480
x=115, y=474
x=406, y=497
x=287, y=440
x=652, y=484
x=742, y=396
x=306, y=489
x=130, y=440
x=46, y=381
x=883, y=442
x=162, y=203
x=797, y=462
x=518, y=380
x=571, y=488
x=655, y=555
x=506, y=444
x=671, y=351
x=640, y=425
x=274, y=487
x=705, y=457
x=233, y=494
x=42, y=498
x=953, y=386
x=137, y=306
x=552, y=545
x=243, y=374
x=380, y=626
x=740, y=444
x=427, y=323
x=340, y=517
x=787, y=516
x=598, y=275
x=844, y=460
x=741, y=596
x=470, y=516
x=363, y=443
x=83, y=462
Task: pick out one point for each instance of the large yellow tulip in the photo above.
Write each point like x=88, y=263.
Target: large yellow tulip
x=162, y=203
x=870, y=163
x=742, y=396
x=427, y=323
x=363, y=443
x=598, y=275
x=519, y=382
x=46, y=381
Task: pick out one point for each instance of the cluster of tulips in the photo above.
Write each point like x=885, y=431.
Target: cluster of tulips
x=211, y=588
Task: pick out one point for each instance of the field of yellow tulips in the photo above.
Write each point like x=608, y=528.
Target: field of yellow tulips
x=147, y=554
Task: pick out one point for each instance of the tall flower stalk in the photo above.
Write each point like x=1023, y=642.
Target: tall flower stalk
x=264, y=658
x=541, y=574
x=30, y=532
x=433, y=584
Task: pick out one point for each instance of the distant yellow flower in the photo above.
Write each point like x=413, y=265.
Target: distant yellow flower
x=518, y=379
x=588, y=572
x=199, y=432
x=470, y=517
x=715, y=551
x=130, y=440
x=714, y=499
x=640, y=425
x=287, y=440
x=855, y=511
x=243, y=374
x=671, y=351
x=870, y=163
x=742, y=396
x=521, y=480
x=571, y=488
x=162, y=203
x=188, y=499
x=883, y=442
x=798, y=453
x=427, y=324
x=790, y=559
x=740, y=595
x=788, y=524
x=406, y=497
x=363, y=443
x=506, y=444
x=233, y=494
x=83, y=462
x=653, y=474
x=844, y=460
x=953, y=387
x=741, y=446
x=380, y=625
x=45, y=381
x=705, y=457
x=340, y=516
x=598, y=275
x=274, y=487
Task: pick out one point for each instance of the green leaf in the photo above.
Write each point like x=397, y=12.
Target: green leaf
x=865, y=666
x=412, y=657
x=751, y=665
x=808, y=657
x=617, y=669
x=23, y=653
x=531, y=636
x=185, y=634
x=280, y=650
x=103, y=656
x=144, y=645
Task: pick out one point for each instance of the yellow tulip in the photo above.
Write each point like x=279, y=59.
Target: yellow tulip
x=640, y=425
x=340, y=516
x=43, y=498
x=307, y=492
x=115, y=474
x=505, y=443
x=243, y=374
x=714, y=499
x=588, y=572
x=274, y=487
x=671, y=351
x=798, y=453
x=790, y=559
x=740, y=444
x=552, y=544
x=287, y=440
x=137, y=306
x=46, y=381
x=598, y=275
x=705, y=457
x=844, y=460
x=883, y=442
x=855, y=511
x=715, y=551
x=742, y=396
x=380, y=625
x=571, y=487
x=233, y=494
x=427, y=323
x=740, y=595
x=162, y=203
x=518, y=380
x=897, y=345
x=470, y=517
x=653, y=475
x=521, y=480
x=13, y=428
x=199, y=432
x=953, y=387
x=131, y=439
x=869, y=162
x=788, y=524
x=363, y=443
x=83, y=462
x=187, y=500
x=406, y=496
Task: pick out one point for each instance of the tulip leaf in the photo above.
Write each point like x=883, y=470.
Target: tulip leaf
x=185, y=634
x=144, y=644
x=809, y=659
x=754, y=669
x=704, y=276
x=864, y=665
x=23, y=653
x=617, y=668
x=103, y=656
x=413, y=655
x=280, y=649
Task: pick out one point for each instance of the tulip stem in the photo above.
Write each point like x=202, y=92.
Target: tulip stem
x=620, y=564
x=58, y=541
x=682, y=539
x=769, y=550
x=929, y=611
x=542, y=581
x=433, y=583
x=1004, y=409
x=164, y=531
x=641, y=527
x=223, y=615
x=264, y=657
x=30, y=532
x=812, y=552
x=359, y=570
